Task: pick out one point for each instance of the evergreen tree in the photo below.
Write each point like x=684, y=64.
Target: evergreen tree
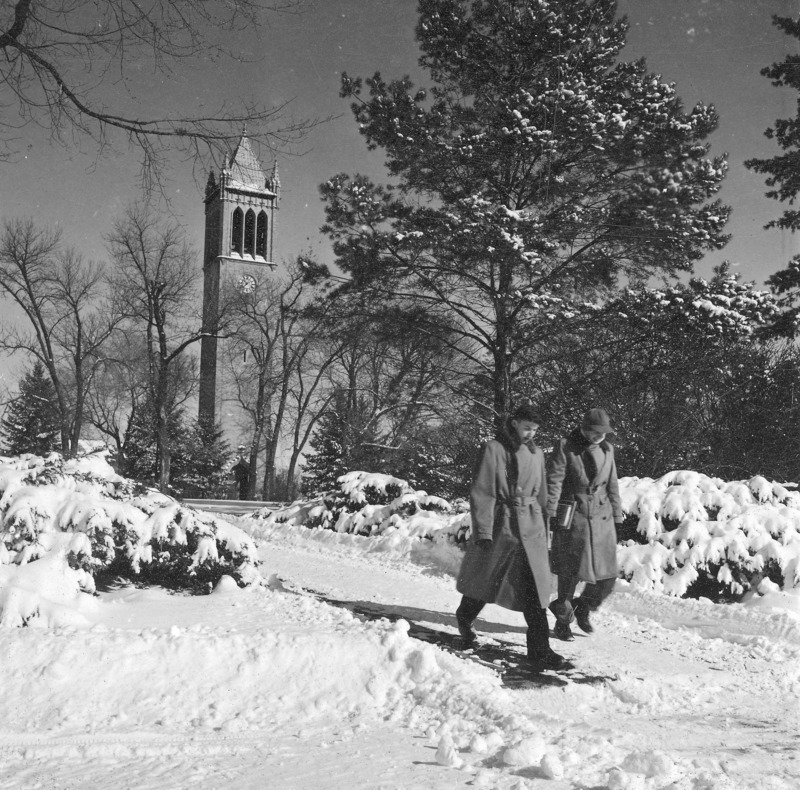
x=430, y=466
x=343, y=442
x=686, y=375
x=31, y=423
x=537, y=163
x=326, y=464
x=783, y=178
x=140, y=443
x=200, y=461
x=200, y=454
x=690, y=378
x=436, y=459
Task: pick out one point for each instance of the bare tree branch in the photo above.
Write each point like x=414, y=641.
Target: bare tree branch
x=61, y=59
x=67, y=320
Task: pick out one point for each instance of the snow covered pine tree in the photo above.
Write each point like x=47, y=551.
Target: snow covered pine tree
x=31, y=422
x=538, y=163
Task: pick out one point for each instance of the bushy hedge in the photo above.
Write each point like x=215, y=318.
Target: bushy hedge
x=109, y=526
x=690, y=534
x=376, y=504
x=685, y=534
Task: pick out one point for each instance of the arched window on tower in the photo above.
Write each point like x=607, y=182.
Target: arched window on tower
x=237, y=226
x=261, y=234
x=250, y=232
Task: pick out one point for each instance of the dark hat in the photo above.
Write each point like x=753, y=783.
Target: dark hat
x=525, y=411
x=596, y=420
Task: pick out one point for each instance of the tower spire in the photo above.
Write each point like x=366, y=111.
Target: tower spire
x=275, y=180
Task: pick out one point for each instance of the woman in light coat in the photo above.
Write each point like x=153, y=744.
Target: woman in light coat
x=582, y=470
x=506, y=560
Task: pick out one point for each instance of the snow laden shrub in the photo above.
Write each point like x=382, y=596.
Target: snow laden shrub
x=107, y=526
x=377, y=504
x=693, y=535
x=685, y=534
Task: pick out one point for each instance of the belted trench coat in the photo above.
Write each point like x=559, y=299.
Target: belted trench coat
x=507, y=502
x=588, y=549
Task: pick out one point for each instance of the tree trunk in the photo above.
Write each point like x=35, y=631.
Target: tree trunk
x=272, y=447
x=77, y=424
x=162, y=429
x=63, y=412
x=164, y=455
x=65, y=441
x=269, y=467
x=263, y=408
x=502, y=394
x=291, y=485
x=253, y=461
x=501, y=378
x=268, y=482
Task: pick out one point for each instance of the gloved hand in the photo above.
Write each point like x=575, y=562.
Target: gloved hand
x=484, y=543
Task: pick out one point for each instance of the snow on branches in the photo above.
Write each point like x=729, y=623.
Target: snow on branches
x=734, y=534
x=376, y=505
x=83, y=519
x=535, y=160
x=722, y=307
x=693, y=534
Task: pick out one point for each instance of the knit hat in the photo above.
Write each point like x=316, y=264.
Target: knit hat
x=596, y=420
x=525, y=411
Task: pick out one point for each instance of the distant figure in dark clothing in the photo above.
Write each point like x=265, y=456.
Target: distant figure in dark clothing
x=582, y=471
x=506, y=560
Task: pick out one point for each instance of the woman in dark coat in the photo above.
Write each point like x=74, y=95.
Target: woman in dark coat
x=582, y=470
x=506, y=560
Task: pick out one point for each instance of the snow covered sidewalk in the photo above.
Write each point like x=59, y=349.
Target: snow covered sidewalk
x=710, y=690
x=270, y=688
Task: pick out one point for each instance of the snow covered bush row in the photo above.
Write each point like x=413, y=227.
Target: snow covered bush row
x=691, y=534
x=107, y=526
x=377, y=504
x=701, y=535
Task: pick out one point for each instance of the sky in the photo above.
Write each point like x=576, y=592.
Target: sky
x=712, y=49
x=272, y=686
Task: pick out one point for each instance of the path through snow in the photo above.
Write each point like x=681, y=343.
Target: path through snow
x=274, y=689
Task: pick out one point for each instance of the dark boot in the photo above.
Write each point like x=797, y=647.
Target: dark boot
x=582, y=617
x=468, y=610
x=563, y=611
x=540, y=656
x=563, y=632
x=549, y=659
x=466, y=630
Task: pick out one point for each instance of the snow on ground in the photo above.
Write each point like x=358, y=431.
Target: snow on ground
x=271, y=687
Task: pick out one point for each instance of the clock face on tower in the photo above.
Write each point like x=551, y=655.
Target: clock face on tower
x=246, y=284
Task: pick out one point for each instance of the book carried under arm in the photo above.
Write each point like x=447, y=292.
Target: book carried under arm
x=564, y=513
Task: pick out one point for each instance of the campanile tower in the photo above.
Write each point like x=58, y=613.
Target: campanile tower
x=239, y=241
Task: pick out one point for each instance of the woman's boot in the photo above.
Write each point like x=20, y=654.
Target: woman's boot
x=582, y=616
x=468, y=610
x=563, y=632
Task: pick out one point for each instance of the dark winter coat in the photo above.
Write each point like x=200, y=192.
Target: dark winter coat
x=507, y=502
x=588, y=550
